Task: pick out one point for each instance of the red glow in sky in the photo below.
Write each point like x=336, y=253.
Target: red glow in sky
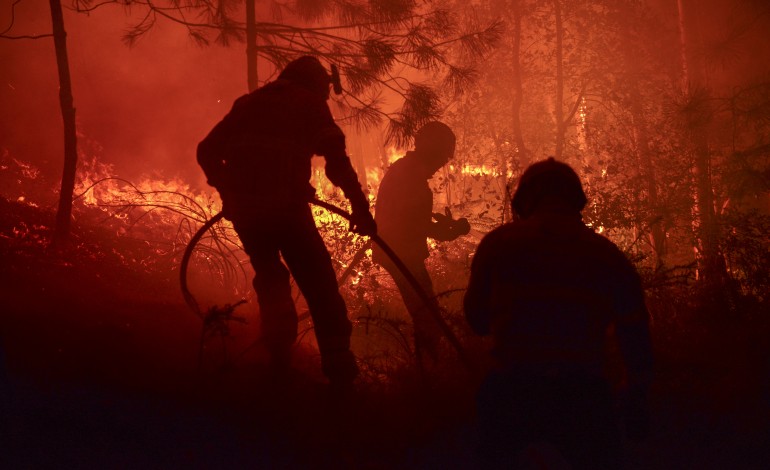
x=147, y=106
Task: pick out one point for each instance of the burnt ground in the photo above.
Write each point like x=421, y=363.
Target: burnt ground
x=102, y=372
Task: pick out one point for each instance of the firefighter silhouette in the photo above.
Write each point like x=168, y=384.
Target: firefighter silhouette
x=259, y=160
x=405, y=220
x=550, y=290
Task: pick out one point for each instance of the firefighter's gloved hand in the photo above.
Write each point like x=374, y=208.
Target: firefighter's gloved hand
x=442, y=220
x=461, y=227
x=442, y=229
x=362, y=222
x=448, y=228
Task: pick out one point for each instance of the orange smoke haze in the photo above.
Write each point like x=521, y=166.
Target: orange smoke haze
x=147, y=107
x=144, y=109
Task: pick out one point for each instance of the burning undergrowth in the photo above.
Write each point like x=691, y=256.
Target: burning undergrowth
x=130, y=237
x=108, y=308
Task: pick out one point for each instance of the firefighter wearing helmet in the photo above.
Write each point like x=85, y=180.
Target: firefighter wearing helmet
x=549, y=290
x=405, y=220
x=259, y=160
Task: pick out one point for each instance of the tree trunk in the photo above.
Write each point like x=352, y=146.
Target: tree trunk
x=711, y=265
x=252, y=73
x=518, y=94
x=560, y=125
x=642, y=132
x=648, y=174
x=64, y=214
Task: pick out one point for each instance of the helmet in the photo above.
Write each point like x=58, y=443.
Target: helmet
x=308, y=72
x=548, y=180
x=435, y=139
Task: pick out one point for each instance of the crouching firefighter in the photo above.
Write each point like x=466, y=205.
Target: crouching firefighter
x=258, y=159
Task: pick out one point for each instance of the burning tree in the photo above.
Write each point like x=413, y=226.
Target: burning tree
x=600, y=84
x=722, y=114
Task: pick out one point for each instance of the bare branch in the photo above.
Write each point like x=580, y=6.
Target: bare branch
x=576, y=106
x=88, y=7
x=37, y=36
x=3, y=34
x=13, y=18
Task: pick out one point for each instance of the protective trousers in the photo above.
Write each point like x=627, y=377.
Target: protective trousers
x=293, y=235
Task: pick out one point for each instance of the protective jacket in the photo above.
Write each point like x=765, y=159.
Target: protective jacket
x=404, y=208
x=548, y=288
x=405, y=215
x=258, y=157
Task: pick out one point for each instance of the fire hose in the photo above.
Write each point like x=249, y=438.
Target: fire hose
x=429, y=302
x=188, y=297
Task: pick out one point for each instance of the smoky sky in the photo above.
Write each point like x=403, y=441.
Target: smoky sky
x=142, y=109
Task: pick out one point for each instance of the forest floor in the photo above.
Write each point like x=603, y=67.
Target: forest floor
x=103, y=372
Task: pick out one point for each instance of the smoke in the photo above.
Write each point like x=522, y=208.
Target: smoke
x=144, y=107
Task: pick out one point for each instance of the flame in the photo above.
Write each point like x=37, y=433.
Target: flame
x=597, y=228
x=27, y=170
x=468, y=169
x=323, y=187
x=171, y=210
x=394, y=154
x=165, y=213
x=98, y=186
x=582, y=128
x=374, y=176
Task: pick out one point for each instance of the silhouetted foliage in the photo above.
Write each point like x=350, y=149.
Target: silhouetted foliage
x=386, y=49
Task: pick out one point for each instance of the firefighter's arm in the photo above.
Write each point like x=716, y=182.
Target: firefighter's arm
x=328, y=140
x=340, y=172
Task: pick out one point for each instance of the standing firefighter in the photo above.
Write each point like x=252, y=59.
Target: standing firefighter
x=549, y=290
x=405, y=220
x=258, y=158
